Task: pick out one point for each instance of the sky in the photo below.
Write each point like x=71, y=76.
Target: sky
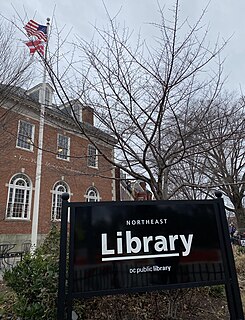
x=225, y=19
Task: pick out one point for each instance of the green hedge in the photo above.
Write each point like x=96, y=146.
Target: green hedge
x=35, y=281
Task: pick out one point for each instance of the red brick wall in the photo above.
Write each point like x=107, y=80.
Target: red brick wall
x=75, y=172
x=88, y=115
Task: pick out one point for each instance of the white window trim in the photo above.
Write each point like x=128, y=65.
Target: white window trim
x=32, y=137
x=96, y=157
x=14, y=190
x=68, y=147
x=56, y=193
x=48, y=96
x=86, y=196
x=78, y=114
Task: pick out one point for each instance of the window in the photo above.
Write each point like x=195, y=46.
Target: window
x=25, y=135
x=63, y=147
x=92, y=156
x=92, y=195
x=19, y=197
x=77, y=111
x=59, y=188
x=48, y=101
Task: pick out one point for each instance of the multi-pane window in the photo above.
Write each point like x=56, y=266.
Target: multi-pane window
x=92, y=156
x=19, y=197
x=63, y=147
x=59, y=188
x=48, y=96
x=25, y=136
x=77, y=111
x=92, y=195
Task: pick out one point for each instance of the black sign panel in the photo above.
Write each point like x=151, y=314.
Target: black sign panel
x=121, y=247
x=137, y=246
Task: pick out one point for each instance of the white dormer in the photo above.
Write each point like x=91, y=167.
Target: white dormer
x=74, y=109
x=35, y=93
x=77, y=109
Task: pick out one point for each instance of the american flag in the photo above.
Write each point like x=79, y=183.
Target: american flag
x=36, y=45
x=34, y=29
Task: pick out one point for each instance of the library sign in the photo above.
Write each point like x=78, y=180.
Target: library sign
x=122, y=247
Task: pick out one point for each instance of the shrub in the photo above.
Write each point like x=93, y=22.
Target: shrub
x=217, y=291
x=35, y=281
x=240, y=250
x=239, y=255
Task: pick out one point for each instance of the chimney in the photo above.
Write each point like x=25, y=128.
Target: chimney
x=88, y=115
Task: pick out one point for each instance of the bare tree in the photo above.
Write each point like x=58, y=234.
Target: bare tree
x=225, y=164
x=143, y=95
x=14, y=62
x=220, y=165
x=15, y=72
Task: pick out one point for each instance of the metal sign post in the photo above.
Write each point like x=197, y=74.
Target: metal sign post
x=61, y=305
x=232, y=286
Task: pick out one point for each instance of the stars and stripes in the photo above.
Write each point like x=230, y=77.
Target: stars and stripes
x=37, y=30
x=36, y=45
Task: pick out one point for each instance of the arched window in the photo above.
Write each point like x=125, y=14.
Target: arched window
x=19, y=197
x=92, y=195
x=59, y=188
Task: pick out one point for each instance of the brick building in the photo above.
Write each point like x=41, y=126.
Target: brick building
x=70, y=161
x=130, y=190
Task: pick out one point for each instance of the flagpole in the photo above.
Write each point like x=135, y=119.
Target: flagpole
x=35, y=216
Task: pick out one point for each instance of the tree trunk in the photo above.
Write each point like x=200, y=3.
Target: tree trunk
x=240, y=215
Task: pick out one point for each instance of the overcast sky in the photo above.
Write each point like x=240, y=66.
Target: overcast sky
x=225, y=18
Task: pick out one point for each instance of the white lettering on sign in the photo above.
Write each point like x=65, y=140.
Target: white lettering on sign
x=164, y=246
x=145, y=222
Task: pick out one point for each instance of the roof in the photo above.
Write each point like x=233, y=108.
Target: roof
x=53, y=113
